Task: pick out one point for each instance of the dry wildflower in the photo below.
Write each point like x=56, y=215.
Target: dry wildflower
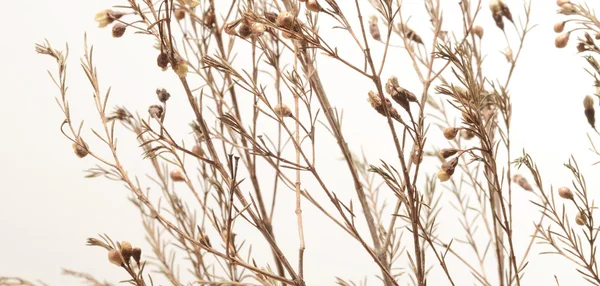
x=106, y=17
x=562, y=40
x=522, y=182
x=567, y=9
x=580, y=218
x=180, y=67
x=136, y=253
x=179, y=14
x=559, y=27
x=244, y=31
x=156, y=111
x=508, y=53
x=115, y=257
x=399, y=94
x=197, y=150
x=80, y=148
x=258, y=29
x=163, y=94
x=478, y=30
x=448, y=152
x=373, y=28
x=121, y=114
x=162, y=61
x=126, y=250
x=417, y=156
x=191, y=3
x=447, y=170
x=467, y=134
x=565, y=193
x=450, y=132
x=590, y=113
x=313, y=5
x=118, y=30
x=285, y=19
x=410, y=34
x=377, y=104
x=283, y=110
x=176, y=176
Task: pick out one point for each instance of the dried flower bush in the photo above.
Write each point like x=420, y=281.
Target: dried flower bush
x=249, y=128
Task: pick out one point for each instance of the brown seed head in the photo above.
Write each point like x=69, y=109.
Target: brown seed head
x=567, y=9
x=559, y=27
x=115, y=257
x=588, y=102
x=467, y=134
x=410, y=34
x=447, y=170
x=562, y=40
x=282, y=110
x=377, y=104
x=80, y=148
x=176, y=176
x=448, y=152
x=106, y=17
x=581, y=218
x=374, y=28
x=162, y=61
x=180, y=67
x=197, y=150
x=589, y=111
x=156, y=111
x=244, y=31
x=230, y=28
x=136, y=253
x=285, y=19
x=478, y=30
x=559, y=3
x=505, y=11
x=126, y=251
x=258, y=29
x=565, y=193
x=497, y=13
x=162, y=94
x=179, y=14
x=118, y=30
x=417, y=156
x=522, y=182
x=450, y=132
x=313, y=5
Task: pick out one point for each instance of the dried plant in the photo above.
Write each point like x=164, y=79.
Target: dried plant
x=257, y=128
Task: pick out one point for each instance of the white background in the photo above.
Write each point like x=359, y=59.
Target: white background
x=47, y=208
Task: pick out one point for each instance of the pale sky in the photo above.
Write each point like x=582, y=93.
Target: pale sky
x=47, y=208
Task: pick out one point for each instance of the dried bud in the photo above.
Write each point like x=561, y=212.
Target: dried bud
x=126, y=251
x=106, y=17
x=448, y=152
x=581, y=47
x=377, y=104
x=204, y=240
x=508, y=53
x=209, y=18
x=399, y=94
x=588, y=104
x=115, y=257
x=197, y=150
x=156, y=111
x=581, y=218
x=230, y=28
x=162, y=94
x=478, y=30
x=179, y=14
x=447, y=170
x=497, y=13
x=373, y=28
x=121, y=114
x=191, y=3
x=258, y=29
x=521, y=181
x=285, y=19
x=559, y=3
x=313, y=5
x=565, y=193
x=162, y=61
x=180, y=68
x=559, y=27
x=244, y=31
x=136, y=253
x=80, y=148
x=450, y=132
x=417, y=156
x=567, y=9
x=505, y=11
x=467, y=134
x=118, y=30
x=283, y=110
x=562, y=40
x=410, y=34
x=176, y=176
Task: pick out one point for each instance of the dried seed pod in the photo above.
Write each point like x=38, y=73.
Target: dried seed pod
x=285, y=19
x=374, y=28
x=258, y=29
x=283, y=110
x=163, y=94
x=313, y=5
x=562, y=40
x=118, y=30
x=590, y=112
x=467, y=134
x=559, y=3
x=399, y=94
x=581, y=218
x=244, y=31
x=410, y=34
x=508, y=53
x=521, y=181
x=197, y=150
x=126, y=251
x=179, y=14
x=377, y=104
x=115, y=257
x=209, y=18
x=80, y=148
x=567, y=9
x=176, y=176
x=162, y=61
x=450, y=132
x=230, y=28
x=447, y=170
x=581, y=47
x=559, y=27
x=505, y=11
x=180, y=67
x=497, y=13
x=448, y=152
x=417, y=156
x=156, y=111
x=478, y=30
x=136, y=253
x=106, y=17
x=271, y=17
x=565, y=193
